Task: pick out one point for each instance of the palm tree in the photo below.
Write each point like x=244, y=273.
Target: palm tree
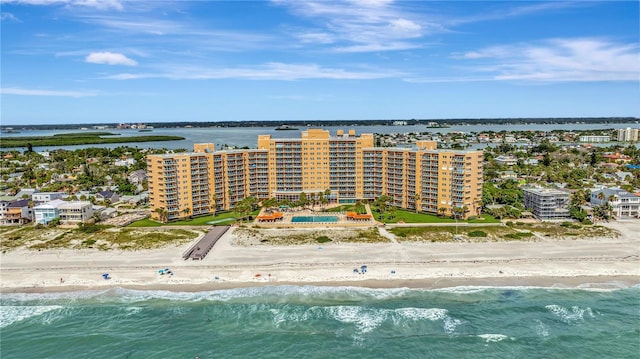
x=187, y=212
x=213, y=205
x=162, y=214
x=601, y=196
x=416, y=198
x=442, y=211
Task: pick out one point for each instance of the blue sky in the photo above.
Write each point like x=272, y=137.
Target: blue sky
x=93, y=61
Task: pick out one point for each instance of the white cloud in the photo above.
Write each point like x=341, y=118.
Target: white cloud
x=275, y=71
x=559, y=60
x=110, y=58
x=98, y=4
x=7, y=16
x=39, y=92
x=359, y=25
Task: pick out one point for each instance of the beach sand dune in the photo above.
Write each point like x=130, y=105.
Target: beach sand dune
x=606, y=263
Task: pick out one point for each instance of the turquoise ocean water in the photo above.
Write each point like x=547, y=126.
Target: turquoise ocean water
x=323, y=322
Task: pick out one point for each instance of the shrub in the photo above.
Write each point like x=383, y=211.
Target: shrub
x=518, y=235
x=586, y=222
x=477, y=234
x=323, y=239
x=88, y=228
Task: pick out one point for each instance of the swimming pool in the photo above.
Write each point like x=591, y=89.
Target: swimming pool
x=314, y=219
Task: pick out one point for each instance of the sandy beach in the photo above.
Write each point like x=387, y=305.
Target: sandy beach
x=582, y=263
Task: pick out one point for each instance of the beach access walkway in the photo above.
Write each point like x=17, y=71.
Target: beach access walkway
x=200, y=250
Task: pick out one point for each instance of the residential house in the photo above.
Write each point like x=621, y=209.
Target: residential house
x=547, y=203
x=107, y=195
x=616, y=158
x=26, y=193
x=16, y=212
x=624, y=204
x=75, y=212
x=47, y=212
x=506, y=160
x=507, y=175
x=125, y=162
x=43, y=197
x=137, y=176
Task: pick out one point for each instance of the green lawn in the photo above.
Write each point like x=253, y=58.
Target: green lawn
x=400, y=215
x=200, y=221
x=348, y=208
x=405, y=216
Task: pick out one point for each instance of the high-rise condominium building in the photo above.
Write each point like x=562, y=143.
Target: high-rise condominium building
x=628, y=134
x=345, y=168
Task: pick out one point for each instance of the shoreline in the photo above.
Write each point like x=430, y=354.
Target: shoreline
x=591, y=283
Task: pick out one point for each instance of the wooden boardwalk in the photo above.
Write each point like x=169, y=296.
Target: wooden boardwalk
x=200, y=250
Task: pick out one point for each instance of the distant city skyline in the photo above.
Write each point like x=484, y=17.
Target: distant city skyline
x=99, y=61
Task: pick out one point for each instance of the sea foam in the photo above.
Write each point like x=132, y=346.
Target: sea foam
x=10, y=314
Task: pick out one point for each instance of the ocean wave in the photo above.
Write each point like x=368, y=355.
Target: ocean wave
x=575, y=314
x=494, y=338
x=10, y=314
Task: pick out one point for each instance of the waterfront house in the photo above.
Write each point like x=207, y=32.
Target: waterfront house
x=75, y=212
x=624, y=204
x=47, y=212
x=16, y=212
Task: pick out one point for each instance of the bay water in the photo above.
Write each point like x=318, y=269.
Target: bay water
x=323, y=322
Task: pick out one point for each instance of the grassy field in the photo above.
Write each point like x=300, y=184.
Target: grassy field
x=565, y=230
x=222, y=219
x=405, y=216
x=449, y=233
x=286, y=237
x=81, y=138
x=514, y=232
x=104, y=239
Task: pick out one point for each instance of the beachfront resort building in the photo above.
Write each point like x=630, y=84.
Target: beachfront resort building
x=345, y=168
x=547, y=203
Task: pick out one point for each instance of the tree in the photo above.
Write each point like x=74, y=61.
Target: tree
x=212, y=206
x=162, y=214
x=303, y=199
x=187, y=212
x=416, y=199
x=442, y=211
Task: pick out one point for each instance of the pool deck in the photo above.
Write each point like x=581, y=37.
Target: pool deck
x=342, y=220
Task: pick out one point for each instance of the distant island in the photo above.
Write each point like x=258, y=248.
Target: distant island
x=285, y=128
x=431, y=123
x=82, y=138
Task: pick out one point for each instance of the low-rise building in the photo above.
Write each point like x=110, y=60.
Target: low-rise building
x=47, y=212
x=137, y=176
x=594, y=138
x=75, y=212
x=624, y=204
x=16, y=212
x=504, y=160
x=107, y=195
x=44, y=197
x=547, y=203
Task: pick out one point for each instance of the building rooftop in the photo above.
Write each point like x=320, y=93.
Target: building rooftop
x=545, y=191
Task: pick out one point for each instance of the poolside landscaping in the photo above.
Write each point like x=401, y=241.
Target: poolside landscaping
x=220, y=219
